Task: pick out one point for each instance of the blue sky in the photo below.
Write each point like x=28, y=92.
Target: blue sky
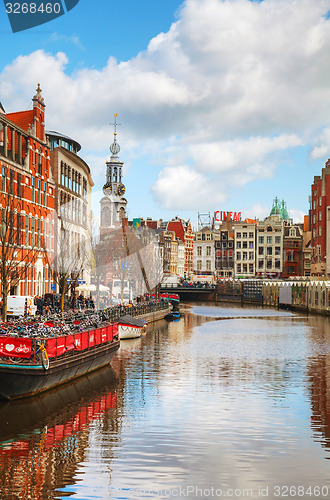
x=223, y=104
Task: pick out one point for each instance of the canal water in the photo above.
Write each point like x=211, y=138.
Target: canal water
x=227, y=402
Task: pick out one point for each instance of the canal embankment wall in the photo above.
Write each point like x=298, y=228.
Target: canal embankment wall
x=310, y=296
x=153, y=316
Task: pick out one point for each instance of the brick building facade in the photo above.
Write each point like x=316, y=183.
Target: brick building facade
x=27, y=179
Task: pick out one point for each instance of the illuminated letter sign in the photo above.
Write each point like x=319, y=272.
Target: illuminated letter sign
x=220, y=216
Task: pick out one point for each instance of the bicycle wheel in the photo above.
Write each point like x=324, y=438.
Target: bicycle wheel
x=45, y=359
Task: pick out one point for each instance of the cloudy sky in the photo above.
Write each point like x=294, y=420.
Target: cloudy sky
x=223, y=104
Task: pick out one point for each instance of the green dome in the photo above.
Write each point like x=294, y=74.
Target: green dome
x=285, y=213
x=276, y=209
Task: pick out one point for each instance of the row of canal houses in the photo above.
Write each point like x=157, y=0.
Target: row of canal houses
x=271, y=248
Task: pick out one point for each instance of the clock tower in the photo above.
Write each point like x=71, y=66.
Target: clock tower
x=113, y=204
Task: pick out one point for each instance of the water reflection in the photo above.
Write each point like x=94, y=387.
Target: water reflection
x=43, y=439
x=228, y=397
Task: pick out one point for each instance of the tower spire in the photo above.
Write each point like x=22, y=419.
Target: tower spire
x=115, y=148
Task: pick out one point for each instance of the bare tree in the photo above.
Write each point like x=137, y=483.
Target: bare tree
x=101, y=259
x=69, y=258
x=15, y=257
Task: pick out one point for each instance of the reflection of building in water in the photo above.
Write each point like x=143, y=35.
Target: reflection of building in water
x=318, y=373
x=46, y=437
x=319, y=380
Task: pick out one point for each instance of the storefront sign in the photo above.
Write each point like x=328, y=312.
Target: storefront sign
x=220, y=216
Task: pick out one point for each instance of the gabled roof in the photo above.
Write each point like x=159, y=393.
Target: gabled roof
x=177, y=227
x=21, y=118
x=250, y=221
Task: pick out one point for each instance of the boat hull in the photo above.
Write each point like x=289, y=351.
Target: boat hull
x=22, y=380
x=129, y=331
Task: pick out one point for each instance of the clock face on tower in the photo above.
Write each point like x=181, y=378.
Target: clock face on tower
x=121, y=189
x=107, y=188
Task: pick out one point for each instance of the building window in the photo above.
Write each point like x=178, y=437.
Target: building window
x=26, y=230
x=11, y=182
x=269, y=250
x=269, y=240
x=32, y=231
x=277, y=264
x=208, y=251
x=19, y=185
x=277, y=251
x=261, y=263
x=238, y=235
x=250, y=244
x=18, y=233
x=245, y=244
x=39, y=163
x=244, y=268
x=199, y=251
x=199, y=265
x=251, y=256
x=39, y=191
x=33, y=184
x=62, y=174
x=251, y=235
x=251, y=268
x=261, y=239
x=261, y=250
x=208, y=265
x=39, y=234
x=238, y=255
x=4, y=178
x=244, y=235
x=320, y=215
x=238, y=244
x=244, y=255
x=239, y=267
x=277, y=240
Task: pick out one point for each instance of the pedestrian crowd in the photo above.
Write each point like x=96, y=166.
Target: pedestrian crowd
x=48, y=305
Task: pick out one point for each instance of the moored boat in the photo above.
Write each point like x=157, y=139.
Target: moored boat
x=172, y=298
x=29, y=366
x=173, y=315
x=130, y=328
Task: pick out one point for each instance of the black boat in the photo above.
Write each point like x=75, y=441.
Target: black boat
x=29, y=366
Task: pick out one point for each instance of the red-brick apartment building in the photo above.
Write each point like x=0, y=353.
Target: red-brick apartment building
x=319, y=213
x=27, y=182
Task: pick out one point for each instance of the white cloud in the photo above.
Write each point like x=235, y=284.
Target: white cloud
x=322, y=147
x=296, y=215
x=215, y=102
x=185, y=188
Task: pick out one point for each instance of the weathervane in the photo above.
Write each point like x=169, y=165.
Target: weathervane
x=115, y=148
